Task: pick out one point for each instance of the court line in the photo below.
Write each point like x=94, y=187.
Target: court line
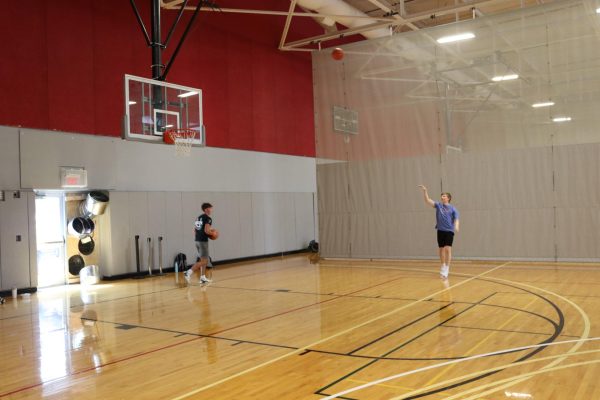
x=585, y=334
x=414, y=321
x=478, y=344
x=578, y=343
x=143, y=353
x=191, y=393
x=145, y=294
x=500, y=367
x=523, y=377
x=405, y=343
x=557, y=330
x=335, y=297
x=476, y=356
x=198, y=335
x=504, y=330
x=98, y=367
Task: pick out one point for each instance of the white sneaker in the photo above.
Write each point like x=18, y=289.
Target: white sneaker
x=444, y=271
x=204, y=279
x=188, y=275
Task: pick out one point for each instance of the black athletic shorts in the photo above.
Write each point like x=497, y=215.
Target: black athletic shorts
x=445, y=238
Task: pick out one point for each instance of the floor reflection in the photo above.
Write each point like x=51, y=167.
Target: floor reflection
x=53, y=339
x=201, y=300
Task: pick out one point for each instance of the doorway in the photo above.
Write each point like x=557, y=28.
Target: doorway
x=50, y=234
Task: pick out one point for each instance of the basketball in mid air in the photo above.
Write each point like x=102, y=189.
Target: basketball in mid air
x=337, y=54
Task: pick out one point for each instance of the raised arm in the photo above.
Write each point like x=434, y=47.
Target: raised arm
x=426, y=196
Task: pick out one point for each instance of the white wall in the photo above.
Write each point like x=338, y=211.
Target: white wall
x=117, y=164
x=263, y=202
x=9, y=158
x=17, y=237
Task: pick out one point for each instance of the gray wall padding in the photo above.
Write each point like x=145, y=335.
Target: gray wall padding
x=532, y=203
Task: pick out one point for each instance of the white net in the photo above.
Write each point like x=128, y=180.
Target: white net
x=183, y=140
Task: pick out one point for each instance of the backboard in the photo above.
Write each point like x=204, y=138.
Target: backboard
x=152, y=107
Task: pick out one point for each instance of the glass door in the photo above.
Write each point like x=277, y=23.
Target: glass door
x=50, y=234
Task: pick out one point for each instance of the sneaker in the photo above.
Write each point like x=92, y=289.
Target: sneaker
x=204, y=280
x=444, y=271
x=188, y=275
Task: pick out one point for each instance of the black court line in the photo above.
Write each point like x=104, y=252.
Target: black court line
x=557, y=331
x=141, y=294
x=505, y=330
x=399, y=329
x=377, y=358
x=561, y=283
x=271, y=290
x=479, y=304
x=420, y=335
x=181, y=333
x=562, y=294
x=524, y=311
x=262, y=319
x=378, y=297
x=558, y=268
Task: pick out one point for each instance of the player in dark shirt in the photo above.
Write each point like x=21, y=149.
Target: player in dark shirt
x=202, y=230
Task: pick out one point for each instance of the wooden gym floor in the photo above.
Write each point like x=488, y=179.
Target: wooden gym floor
x=287, y=328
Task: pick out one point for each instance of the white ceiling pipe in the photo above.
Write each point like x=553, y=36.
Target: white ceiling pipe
x=340, y=7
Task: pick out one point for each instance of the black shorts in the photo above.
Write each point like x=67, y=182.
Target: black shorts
x=445, y=238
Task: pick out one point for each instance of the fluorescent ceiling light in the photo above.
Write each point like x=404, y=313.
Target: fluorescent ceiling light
x=169, y=126
x=187, y=94
x=500, y=78
x=561, y=119
x=132, y=103
x=597, y=10
x=456, y=38
x=543, y=104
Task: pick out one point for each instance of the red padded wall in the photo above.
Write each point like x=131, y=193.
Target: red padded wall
x=64, y=63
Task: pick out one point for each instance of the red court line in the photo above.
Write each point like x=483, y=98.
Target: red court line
x=102, y=365
x=193, y=339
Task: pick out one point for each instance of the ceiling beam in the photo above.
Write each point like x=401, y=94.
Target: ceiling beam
x=409, y=18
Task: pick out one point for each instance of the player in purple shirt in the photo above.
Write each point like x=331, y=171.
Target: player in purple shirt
x=446, y=217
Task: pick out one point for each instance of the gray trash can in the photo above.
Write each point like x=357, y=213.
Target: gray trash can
x=89, y=275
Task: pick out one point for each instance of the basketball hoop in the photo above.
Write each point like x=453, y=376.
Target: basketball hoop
x=182, y=139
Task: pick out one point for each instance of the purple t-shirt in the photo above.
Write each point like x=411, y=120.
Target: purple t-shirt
x=445, y=215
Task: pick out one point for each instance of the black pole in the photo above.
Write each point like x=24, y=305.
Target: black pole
x=137, y=253
x=155, y=42
x=160, y=256
x=157, y=66
x=181, y=9
x=150, y=256
x=185, y=33
x=139, y=20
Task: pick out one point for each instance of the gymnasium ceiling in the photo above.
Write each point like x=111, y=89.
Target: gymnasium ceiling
x=356, y=20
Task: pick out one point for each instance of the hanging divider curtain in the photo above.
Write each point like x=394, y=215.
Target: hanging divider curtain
x=526, y=185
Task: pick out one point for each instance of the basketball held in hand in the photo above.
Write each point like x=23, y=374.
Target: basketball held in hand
x=214, y=234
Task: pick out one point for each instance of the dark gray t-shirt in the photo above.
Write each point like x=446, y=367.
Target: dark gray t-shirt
x=199, y=225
